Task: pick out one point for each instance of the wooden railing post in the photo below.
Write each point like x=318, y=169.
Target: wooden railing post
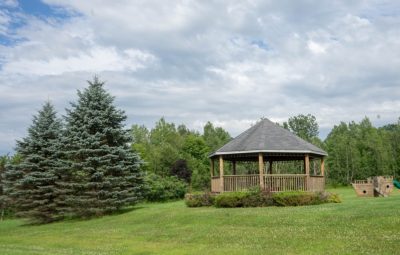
x=261, y=169
x=221, y=173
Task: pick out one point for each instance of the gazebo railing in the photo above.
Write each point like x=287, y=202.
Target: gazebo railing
x=241, y=182
x=215, y=184
x=285, y=182
x=316, y=183
x=272, y=182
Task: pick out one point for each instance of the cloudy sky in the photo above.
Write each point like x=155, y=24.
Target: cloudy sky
x=230, y=62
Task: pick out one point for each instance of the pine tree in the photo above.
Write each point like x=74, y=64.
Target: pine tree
x=30, y=186
x=102, y=174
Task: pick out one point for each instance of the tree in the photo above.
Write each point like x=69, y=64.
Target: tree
x=3, y=161
x=304, y=126
x=31, y=184
x=215, y=137
x=359, y=151
x=101, y=172
x=181, y=170
x=165, y=147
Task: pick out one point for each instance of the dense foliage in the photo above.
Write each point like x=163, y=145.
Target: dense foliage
x=253, y=198
x=166, y=188
x=3, y=162
x=100, y=173
x=31, y=185
x=168, y=150
x=258, y=198
x=85, y=168
x=356, y=150
x=199, y=199
x=360, y=150
x=298, y=198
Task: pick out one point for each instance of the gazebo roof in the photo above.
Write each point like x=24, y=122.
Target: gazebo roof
x=268, y=137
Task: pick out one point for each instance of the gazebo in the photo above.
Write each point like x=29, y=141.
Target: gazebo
x=268, y=144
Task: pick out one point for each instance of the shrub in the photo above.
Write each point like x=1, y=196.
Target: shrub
x=296, y=198
x=160, y=188
x=251, y=198
x=259, y=198
x=231, y=199
x=328, y=197
x=199, y=199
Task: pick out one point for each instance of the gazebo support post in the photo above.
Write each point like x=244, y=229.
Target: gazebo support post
x=261, y=169
x=307, y=170
x=322, y=166
x=306, y=164
x=212, y=167
x=221, y=174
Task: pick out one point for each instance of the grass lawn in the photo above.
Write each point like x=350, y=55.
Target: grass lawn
x=356, y=226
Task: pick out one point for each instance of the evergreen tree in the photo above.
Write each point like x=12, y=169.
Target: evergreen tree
x=101, y=173
x=31, y=184
x=3, y=161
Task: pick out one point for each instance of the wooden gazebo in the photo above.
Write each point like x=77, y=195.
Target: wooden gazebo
x=268, y=144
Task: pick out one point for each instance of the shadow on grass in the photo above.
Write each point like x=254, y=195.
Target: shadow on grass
x=72, y=219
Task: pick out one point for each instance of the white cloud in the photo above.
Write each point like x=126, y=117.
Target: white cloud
x=316, y=48
x=97, y=59
x=227, y=62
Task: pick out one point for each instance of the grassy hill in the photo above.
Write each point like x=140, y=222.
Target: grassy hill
x=357, y=226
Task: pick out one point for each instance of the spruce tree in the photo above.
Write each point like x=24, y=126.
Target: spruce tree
x=102, y=174
x=30, y=186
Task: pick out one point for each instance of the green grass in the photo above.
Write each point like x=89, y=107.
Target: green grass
x=356, y=226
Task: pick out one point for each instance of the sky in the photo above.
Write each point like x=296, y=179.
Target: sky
x=228, y=62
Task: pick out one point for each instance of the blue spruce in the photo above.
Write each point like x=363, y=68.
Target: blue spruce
x=30, y=186
x=101, y=174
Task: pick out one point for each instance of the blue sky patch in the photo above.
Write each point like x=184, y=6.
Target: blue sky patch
x=25, y=8
x=39, y=9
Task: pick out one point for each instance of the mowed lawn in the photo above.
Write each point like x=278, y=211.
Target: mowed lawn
x=356, y=226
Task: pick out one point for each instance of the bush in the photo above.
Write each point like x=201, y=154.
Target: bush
x=230, y=199
x=199, y=199
x=328, y=197
x=251, y=198
x=258, y=199
x=297, y=198
x=160, y=188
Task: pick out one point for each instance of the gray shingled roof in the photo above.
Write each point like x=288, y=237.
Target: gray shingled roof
x=268, y=137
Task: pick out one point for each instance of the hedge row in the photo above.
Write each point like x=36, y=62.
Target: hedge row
x=260, y=199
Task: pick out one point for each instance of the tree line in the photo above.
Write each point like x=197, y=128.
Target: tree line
x=88, y=164
x=355, y=150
